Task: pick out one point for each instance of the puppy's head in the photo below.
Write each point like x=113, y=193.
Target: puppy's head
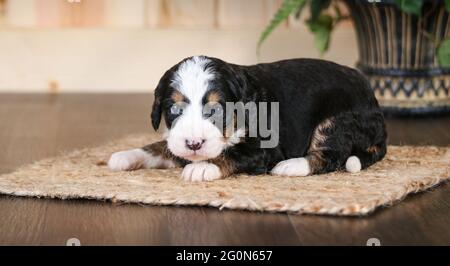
x=192, y=98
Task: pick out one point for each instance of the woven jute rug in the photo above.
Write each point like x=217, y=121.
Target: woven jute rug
x=84, y=174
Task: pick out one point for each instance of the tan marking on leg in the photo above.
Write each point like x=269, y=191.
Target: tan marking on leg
x=315, y=160
x=226, y=166
x=160, y=149
x=373, y=149
x=315, y=154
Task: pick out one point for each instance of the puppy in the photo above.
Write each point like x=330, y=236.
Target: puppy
x=326, y=119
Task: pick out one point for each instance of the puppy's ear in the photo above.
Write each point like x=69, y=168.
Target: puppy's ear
x=157, y=108
x=160, y=93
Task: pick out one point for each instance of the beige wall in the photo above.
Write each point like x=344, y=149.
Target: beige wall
x=138, y=13
x=107, y=45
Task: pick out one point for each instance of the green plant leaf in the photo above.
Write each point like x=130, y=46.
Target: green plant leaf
x=447, y=5
x=299, y=10
x=321, y=28
x=281, y=15
x=443, y=53
x=410, y=6
x=317, y=6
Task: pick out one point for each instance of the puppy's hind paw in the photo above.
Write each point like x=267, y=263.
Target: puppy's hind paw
x=201, y=171
x=292, y=167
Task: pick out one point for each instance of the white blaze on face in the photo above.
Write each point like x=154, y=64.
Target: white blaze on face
x=192, y=79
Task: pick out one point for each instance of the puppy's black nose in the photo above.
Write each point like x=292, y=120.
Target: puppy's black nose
x=194, y=144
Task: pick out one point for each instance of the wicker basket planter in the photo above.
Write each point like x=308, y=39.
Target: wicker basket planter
x=397, y=53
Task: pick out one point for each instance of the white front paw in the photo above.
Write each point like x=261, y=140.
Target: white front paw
x=201, y=171
x=126, y=160
x=292, y=167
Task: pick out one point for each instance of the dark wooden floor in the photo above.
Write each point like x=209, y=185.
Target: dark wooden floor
x=37, y=126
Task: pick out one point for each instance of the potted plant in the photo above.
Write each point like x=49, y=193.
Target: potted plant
x=404, y=47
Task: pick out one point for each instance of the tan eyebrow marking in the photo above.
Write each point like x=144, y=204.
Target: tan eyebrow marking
x=177, y=96
x=214, y=97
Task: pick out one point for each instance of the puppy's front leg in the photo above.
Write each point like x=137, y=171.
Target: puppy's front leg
x=155, y=155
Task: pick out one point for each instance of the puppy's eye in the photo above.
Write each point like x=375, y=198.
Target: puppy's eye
x=215, y=110
x=176, y=110
x=218, y=110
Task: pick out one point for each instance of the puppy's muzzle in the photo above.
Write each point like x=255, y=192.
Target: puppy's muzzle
x=194, y=144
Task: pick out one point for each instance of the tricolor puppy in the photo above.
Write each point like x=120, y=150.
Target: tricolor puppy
x=326, y=119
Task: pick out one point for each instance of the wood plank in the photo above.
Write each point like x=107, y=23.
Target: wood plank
x=208, y=226
x=418, y=132
x=131, y=13
x=111, y=13
x=98, y=223
x=2, y=12
x=190, y=13
x=49, y=13
x=121, y=60
x=32, y=216
x=154, y=13
x=418, y=220
x=246, y=14
x=21, y=13
x=83, y=13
